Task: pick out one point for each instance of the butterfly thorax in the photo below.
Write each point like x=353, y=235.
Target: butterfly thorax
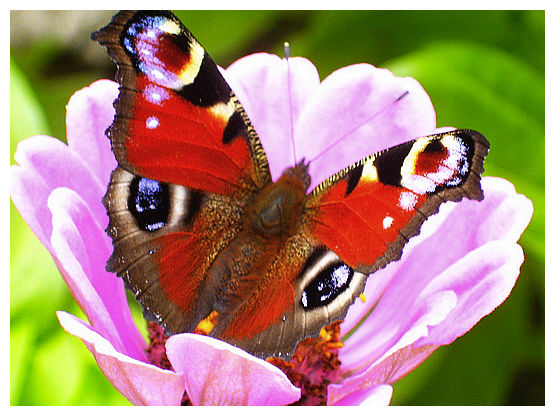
x=276, y=209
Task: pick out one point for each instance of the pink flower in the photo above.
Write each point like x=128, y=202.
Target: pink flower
x=469, y=249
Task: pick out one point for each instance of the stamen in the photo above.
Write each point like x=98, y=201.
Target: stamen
x=360, y=125
x=313, y=366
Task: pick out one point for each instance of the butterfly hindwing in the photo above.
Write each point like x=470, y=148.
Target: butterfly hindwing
x=386, y=197
x=165, y=239
x=304, y=287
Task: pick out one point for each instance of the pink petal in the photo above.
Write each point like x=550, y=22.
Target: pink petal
x=479, y=282
x=378, y=395
x=482, y=280
x=28, y=189
x=473, y=303
x=411, y=278
x=405, y=360
x=217, y=373
x=502, y=215
x=274, y=92
x=89, y=113
x=387, y=370
x=45, y=164
x=355, y=113
x=140, y=383
x=399, y=319
x=508, y=213
x=82, y=249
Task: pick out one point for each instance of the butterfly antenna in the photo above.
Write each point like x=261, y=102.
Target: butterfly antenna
x=403, y=95
x=287, y=55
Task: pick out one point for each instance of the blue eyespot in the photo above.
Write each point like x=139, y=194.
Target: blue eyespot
x=149, y=203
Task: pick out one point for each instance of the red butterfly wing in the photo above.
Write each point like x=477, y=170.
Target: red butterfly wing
x=367, y=212
x=177, y=120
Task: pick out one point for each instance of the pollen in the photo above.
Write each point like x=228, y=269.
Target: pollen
x=362, y=297
x=206, y=326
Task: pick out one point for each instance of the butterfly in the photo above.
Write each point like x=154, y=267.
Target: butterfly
x=207, y=241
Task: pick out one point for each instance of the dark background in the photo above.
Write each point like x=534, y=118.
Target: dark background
x=483, y=70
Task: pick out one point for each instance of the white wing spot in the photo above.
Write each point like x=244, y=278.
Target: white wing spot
x=387, y=221
x=152, y=122
x=407, y=201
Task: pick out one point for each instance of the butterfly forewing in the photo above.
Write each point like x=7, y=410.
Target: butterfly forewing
x=177, y=120
x=386, y=197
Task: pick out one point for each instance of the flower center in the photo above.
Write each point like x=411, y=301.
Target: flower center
x=313, y=366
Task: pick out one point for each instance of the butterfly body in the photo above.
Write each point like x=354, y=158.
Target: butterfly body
x=200, y=231
x=270, y=220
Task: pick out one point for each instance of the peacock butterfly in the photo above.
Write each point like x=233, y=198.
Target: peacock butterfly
x=205, y=239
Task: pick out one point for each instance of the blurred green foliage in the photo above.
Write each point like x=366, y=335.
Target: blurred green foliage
x=483, y=70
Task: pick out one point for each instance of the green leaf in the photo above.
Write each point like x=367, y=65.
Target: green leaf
x=223, y=32
x=96, y=389
x=337, y=38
